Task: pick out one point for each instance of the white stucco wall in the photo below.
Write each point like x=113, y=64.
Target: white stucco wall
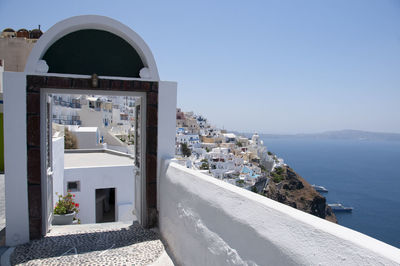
x=87, y=137
x=58, y=167
x=209, y=222
x=91, y=178
x=111, y=139
x=90, y=117
x=167, y=92
x=15, y=158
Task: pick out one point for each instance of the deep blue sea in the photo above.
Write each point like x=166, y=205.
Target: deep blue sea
x=361, y=174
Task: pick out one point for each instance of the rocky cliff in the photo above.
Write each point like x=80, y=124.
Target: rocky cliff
x=287, y=187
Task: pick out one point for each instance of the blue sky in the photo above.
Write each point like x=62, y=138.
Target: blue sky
x=266, y=66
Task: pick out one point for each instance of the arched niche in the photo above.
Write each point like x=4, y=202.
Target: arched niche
x=93, y=51
x=120, y=51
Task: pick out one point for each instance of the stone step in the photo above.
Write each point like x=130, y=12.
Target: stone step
x=77, y=228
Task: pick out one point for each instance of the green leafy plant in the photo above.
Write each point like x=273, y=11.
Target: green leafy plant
x=277, y=174
x=204, y=166
x=66, y=204
x=279, y=170
x=276, y=177
x=185, y=150
x=70, y=141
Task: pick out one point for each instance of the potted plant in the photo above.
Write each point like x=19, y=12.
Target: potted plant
x=65, y=210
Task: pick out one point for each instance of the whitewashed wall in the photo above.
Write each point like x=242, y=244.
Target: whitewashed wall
x=110, y=139
x=90, y=117
x=208, y=222
x=91, y=178
x=15, y=158
x=167, y=92
x=87, y=139
x=58, y=167
x=123, y=149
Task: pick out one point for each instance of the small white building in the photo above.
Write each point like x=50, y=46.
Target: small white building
x=103, y=185
x=189, y=139
x=229, y=138
x=87, y=137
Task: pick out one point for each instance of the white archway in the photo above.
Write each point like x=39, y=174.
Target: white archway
x=73, y=24
x=23, y=124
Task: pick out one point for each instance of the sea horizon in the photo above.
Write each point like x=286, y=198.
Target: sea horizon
x=358, y=174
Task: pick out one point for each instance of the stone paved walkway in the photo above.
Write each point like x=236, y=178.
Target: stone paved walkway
x=98, y=244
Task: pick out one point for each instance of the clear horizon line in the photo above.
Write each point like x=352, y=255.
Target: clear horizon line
x=317, y=132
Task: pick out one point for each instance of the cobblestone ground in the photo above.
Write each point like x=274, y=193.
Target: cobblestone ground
x=129, y=245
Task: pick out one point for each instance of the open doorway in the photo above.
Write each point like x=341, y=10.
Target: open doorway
x=105, y=205
x=37, y=87
x=95, y=141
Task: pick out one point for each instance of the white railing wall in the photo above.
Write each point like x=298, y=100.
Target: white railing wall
x=206, y=221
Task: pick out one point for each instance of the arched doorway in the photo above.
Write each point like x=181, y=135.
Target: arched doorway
x=94, y=56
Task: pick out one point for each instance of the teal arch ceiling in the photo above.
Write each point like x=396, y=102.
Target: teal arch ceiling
x=93, y=51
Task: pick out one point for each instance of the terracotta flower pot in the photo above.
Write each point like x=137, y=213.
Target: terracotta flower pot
x=63, y=219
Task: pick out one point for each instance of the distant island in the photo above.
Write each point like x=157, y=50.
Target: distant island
x=347, y=134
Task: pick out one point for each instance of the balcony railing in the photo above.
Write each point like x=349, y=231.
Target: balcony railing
x=67, y=122
x=66, y=103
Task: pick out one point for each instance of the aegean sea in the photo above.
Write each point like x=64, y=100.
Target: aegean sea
x=361, y=174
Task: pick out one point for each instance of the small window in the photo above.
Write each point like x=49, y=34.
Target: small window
x=74, y=186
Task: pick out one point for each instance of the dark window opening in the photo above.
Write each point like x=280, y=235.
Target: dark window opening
x=73, y=186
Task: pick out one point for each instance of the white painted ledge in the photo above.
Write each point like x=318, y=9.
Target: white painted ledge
x=206, y=221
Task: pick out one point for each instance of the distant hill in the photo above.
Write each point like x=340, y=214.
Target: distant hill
x=341, y=134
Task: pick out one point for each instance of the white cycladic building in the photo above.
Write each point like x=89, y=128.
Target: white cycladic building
x=92, y=177
x=94, y=117
x=87, y=137
x=229, y=138
x=189, y=139
x=65, y=115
